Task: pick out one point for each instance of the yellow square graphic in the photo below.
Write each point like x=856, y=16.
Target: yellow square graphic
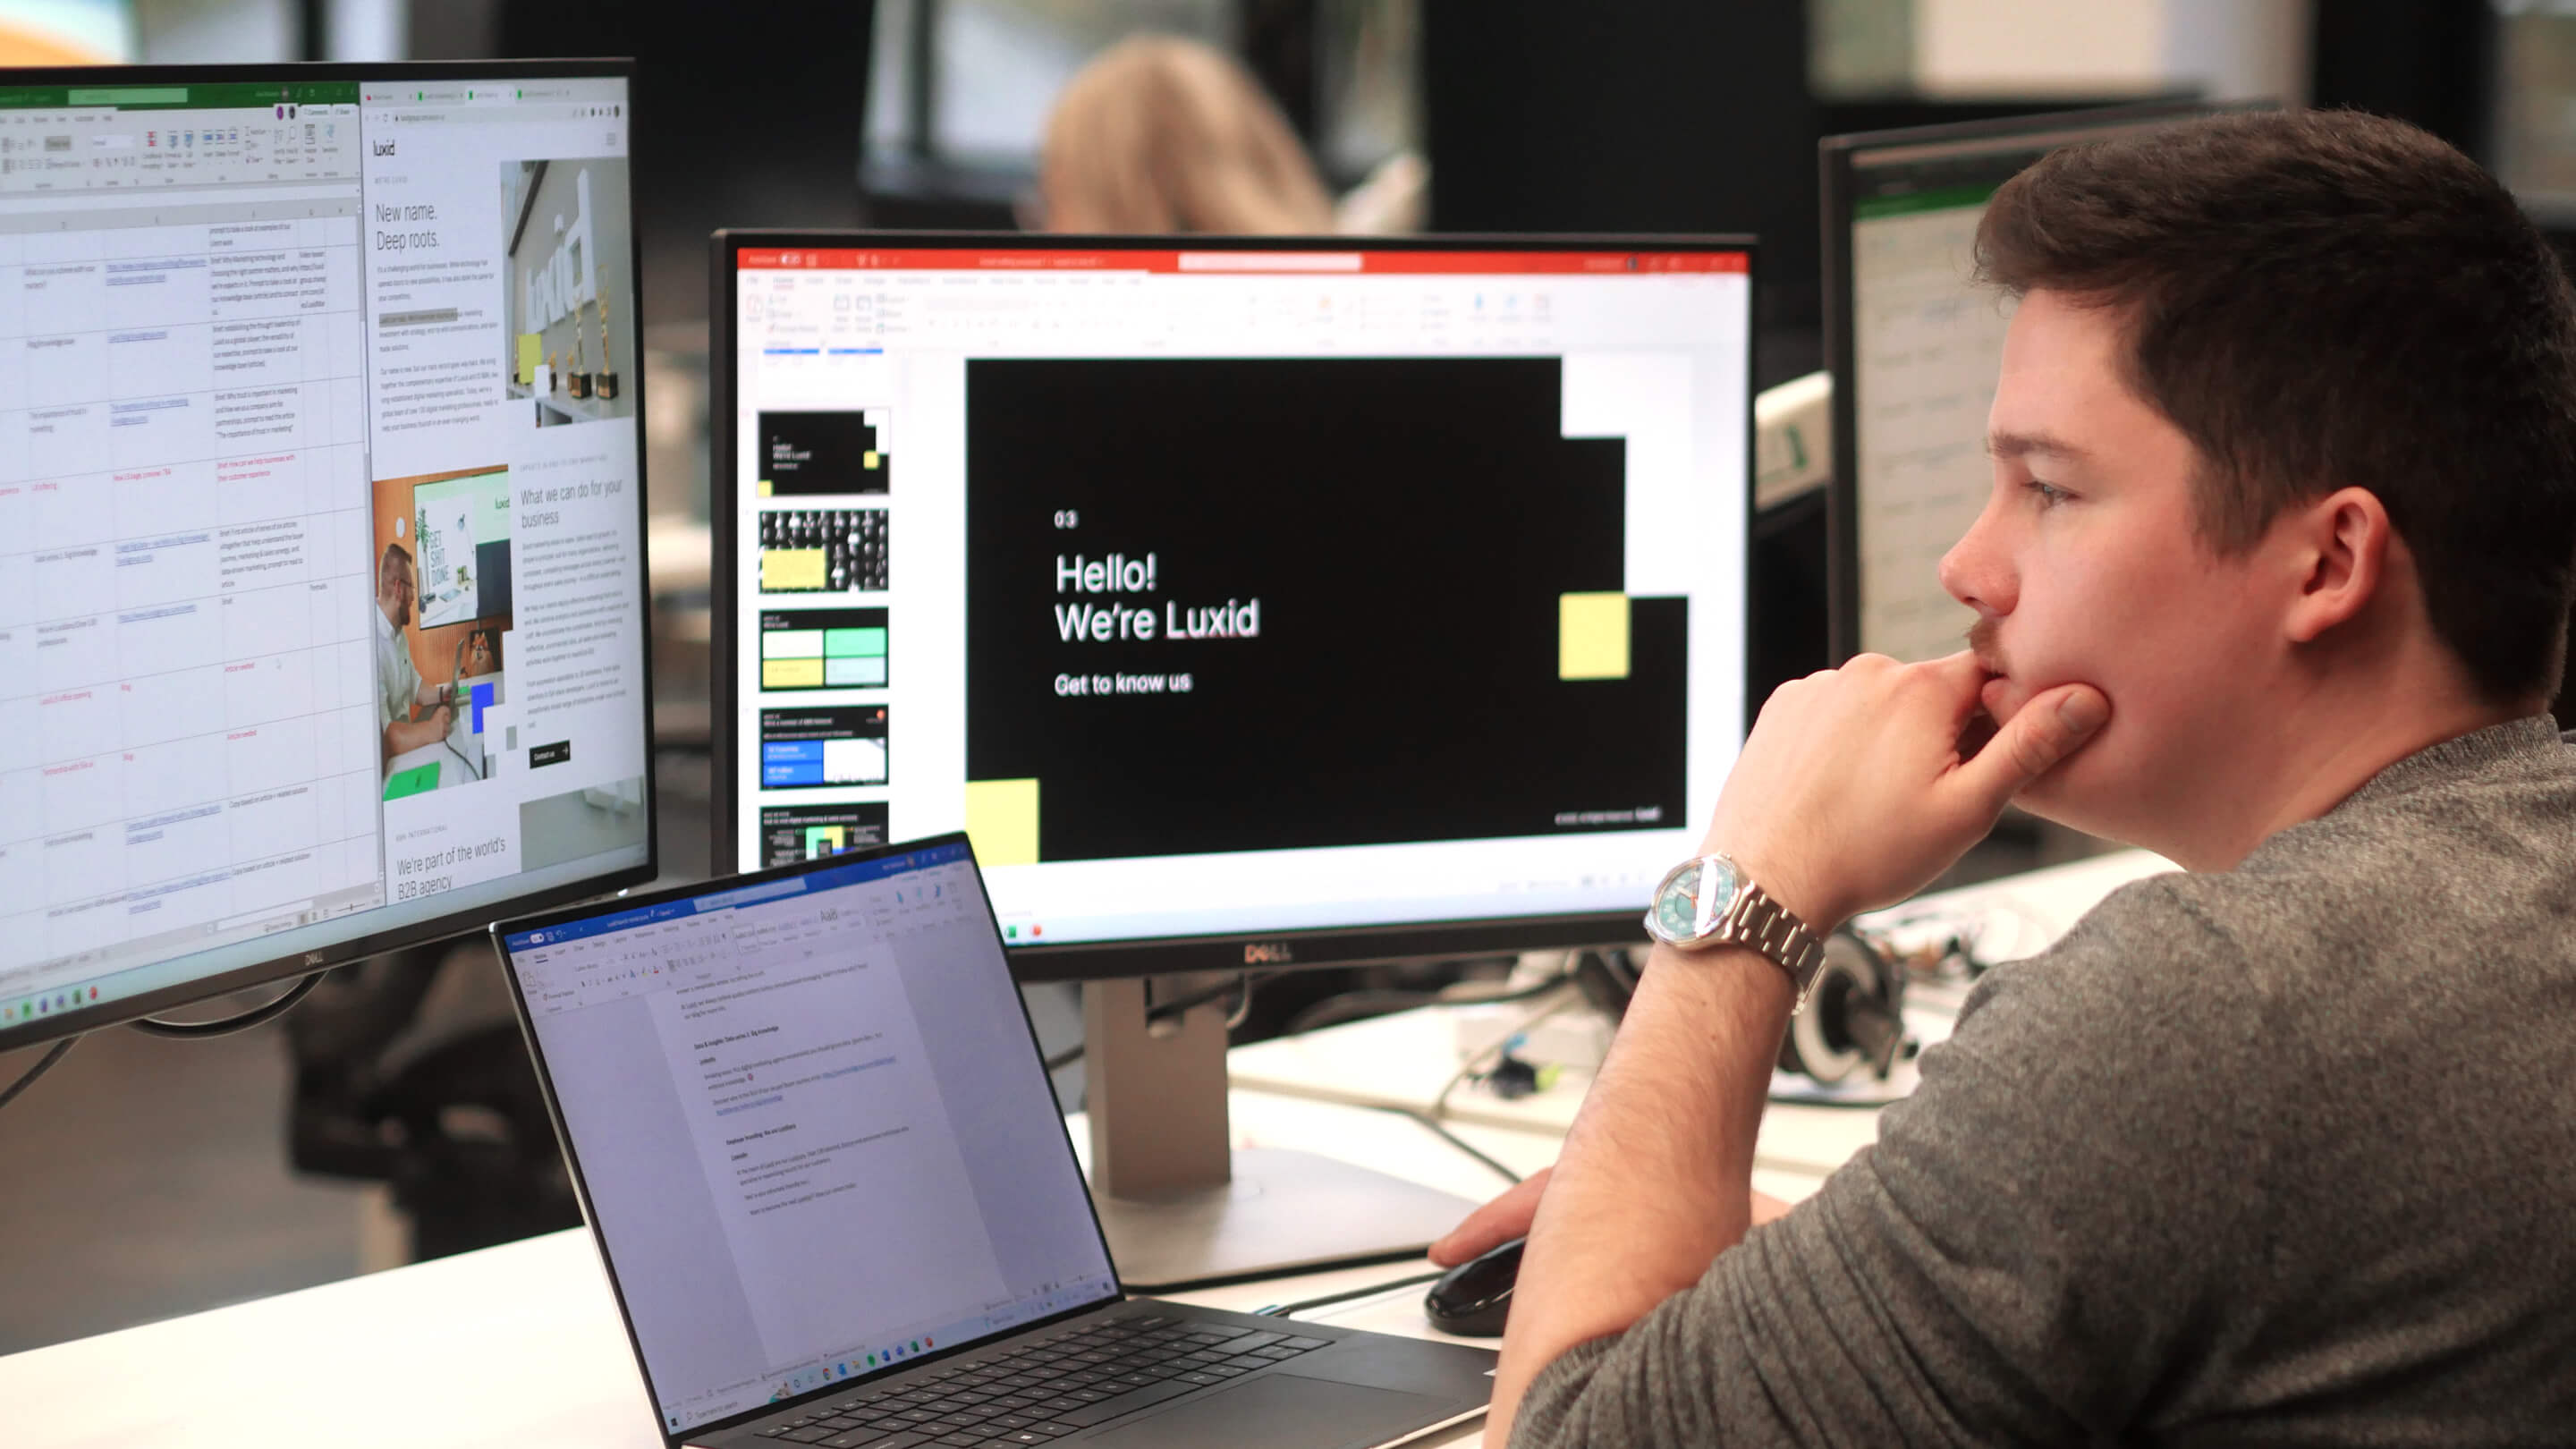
x=531, y=352
x=1592, y=636
x=765, y=489
x=792, y=568
x=872, y=460
x=791, y=674
x=1002, y=821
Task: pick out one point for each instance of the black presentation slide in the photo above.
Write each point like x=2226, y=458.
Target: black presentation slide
x=790, y=833
x=1245, y=605
x=806, y=454
x=816, y=748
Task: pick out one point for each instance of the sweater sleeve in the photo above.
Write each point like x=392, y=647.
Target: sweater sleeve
x=2028, y=1253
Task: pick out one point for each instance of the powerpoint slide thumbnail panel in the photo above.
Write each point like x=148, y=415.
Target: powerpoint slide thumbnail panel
x=815, y=748
x=823, y=649
x=790, y=833
x=1219, y=605
x=805, y=455
x=823, y=551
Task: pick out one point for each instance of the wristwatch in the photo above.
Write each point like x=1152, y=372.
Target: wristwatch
x=1709, y=901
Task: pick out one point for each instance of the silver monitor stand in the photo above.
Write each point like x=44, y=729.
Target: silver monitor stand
x=1179, y=1207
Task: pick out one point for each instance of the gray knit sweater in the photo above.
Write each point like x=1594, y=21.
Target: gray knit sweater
x=2280, y=1155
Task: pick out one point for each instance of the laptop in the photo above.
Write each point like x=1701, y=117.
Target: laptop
x=813, y=1136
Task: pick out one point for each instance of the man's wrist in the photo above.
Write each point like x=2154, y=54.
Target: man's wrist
x=1798, y=891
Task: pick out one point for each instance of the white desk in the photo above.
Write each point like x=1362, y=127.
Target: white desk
x=521, y=1345
x=1403, y=1060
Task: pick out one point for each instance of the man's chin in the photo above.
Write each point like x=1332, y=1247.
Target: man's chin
x=2073, y=796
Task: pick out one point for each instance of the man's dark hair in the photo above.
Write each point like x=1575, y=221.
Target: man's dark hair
x=2321, y=299
x=394, y=554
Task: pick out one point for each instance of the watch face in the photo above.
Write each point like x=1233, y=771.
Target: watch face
x=1693, y=897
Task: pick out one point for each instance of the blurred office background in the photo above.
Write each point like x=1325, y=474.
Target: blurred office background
x=148, y=1178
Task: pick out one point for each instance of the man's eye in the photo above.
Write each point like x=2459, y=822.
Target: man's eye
x=2050, y=495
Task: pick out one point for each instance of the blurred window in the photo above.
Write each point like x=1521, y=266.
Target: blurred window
x=2532, y=127
x=968, y=84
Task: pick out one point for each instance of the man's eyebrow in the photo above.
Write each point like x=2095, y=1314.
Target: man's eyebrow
x=2019, y=445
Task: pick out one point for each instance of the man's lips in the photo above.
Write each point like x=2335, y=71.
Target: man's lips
x=2000, y=697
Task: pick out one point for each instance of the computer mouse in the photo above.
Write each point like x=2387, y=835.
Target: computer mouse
x=1472, y=1299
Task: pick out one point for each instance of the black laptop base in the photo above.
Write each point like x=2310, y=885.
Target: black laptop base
x=1147, y=1373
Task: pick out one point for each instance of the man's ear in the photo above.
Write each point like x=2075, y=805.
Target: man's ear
x=2339, y=547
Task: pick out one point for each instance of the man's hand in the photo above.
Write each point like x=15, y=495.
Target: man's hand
x=1496, y=1223
x=1855, y=788
x=1509, y=1216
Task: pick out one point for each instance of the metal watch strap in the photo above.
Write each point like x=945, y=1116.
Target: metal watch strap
x=1754, y=919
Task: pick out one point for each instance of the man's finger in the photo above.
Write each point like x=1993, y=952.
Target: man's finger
x=1496, y=1223
x=2040, y=734
x=1962, y=676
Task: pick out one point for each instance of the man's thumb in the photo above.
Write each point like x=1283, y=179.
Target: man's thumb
x=2040, y=734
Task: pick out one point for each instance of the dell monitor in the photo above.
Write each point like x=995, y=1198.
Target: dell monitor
x=1251, y=604
x=322, y=573
x=1913, y=345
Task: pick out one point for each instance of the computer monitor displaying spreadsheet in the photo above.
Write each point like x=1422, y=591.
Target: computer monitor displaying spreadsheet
x=1914, y=345
x=321, y=547
x=1236, y=594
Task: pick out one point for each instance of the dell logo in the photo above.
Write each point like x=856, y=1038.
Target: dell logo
x=312, y=958
x=384, y=148
x=1267, y=953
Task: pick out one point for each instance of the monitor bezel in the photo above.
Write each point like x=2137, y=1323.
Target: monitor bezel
x=1838, y=158
x=499, y=933
x=79, y=1020
x=1228, y=951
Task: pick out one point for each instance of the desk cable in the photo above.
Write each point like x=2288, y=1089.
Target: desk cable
x=43, y=1064
x=154, y=1026
x=460, y=755
x=1283, y=1310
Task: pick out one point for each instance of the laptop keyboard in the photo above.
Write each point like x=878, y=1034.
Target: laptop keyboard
x=1030, y=1393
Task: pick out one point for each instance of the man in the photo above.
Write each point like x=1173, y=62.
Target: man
x=398, y=684
x=2274, y=580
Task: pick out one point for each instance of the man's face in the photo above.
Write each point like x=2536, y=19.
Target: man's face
x=394, y=593
x=2084, y=567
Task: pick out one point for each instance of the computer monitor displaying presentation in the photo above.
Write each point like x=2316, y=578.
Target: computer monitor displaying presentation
x=322, y=561
x=1913, y=345
x=1237, y=593
x=1249, y=603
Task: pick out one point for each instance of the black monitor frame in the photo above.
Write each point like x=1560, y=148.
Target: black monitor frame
x=75, y=1021
x=1107, y=960
x=1839, y=158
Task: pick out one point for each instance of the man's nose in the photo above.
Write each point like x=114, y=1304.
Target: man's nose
x=1977, y=571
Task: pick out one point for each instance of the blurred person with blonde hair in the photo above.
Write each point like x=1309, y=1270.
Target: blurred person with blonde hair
x=1163, y=134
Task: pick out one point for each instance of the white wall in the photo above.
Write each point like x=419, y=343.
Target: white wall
x=368, y=29
x=250, y=32
x=2231, y=49
x=207, y=31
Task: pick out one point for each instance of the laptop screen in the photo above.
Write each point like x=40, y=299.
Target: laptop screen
x=812, y=1124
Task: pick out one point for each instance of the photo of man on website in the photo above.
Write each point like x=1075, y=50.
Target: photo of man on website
x=442, y=611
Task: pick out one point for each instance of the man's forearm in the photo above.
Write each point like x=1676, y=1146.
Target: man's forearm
x=404, y=735
x=1656, y=1175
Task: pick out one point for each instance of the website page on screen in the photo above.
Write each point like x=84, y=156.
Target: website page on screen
x=321, y=580
x=1235, y=591
x=749, y=1075
x=1927, y=343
